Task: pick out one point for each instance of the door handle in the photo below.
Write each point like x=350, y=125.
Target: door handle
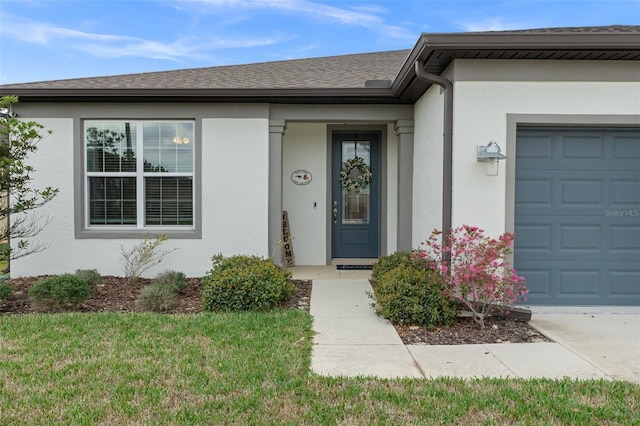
x=335, y=215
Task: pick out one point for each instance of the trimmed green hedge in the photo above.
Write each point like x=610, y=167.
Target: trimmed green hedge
x=411, y=293
x=63, y=291
x=400, y=258
x=240, y=283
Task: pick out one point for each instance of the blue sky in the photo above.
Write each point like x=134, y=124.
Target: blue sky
x=56, y=39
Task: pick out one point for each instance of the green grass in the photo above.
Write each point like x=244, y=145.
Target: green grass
x=250, y=368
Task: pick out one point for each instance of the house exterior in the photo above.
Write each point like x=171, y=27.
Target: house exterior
x=211, y=157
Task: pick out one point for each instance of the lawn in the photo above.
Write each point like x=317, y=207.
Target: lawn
x=251, y=369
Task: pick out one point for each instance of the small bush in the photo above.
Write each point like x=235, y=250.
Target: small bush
x=64, y=291
x=175, y=280
x=5, y=291
x=156, y=298
x=91, y=276
x=143, y=256
x=239, y=283
x=414, y=296
x=392, y=261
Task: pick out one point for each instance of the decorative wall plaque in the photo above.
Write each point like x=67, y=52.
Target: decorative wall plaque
x=301, y=177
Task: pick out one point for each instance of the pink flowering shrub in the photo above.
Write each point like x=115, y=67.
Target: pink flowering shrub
x=475, y=270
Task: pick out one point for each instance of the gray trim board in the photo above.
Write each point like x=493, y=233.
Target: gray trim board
x=404, y=131
x=277, y=128
x=80, y=225
x=351, y=114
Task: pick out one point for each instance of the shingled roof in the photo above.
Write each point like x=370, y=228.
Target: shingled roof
x=346, y=78
x=347, y=71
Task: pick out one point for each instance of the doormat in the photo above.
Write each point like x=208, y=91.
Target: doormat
x=353, y=267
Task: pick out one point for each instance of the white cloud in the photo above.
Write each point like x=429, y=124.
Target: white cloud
x=491, y=24
x=118, y=46
x=365, y=16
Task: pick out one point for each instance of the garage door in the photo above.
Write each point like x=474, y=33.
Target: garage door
x=577, y=215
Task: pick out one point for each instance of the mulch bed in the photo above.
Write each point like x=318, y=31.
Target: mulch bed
x=466, y=331
x=117, y=294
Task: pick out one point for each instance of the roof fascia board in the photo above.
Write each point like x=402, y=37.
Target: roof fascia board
x=201, y=93
x=431, y=42
x=538, y=41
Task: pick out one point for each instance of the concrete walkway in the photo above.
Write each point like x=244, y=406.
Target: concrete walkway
x=352, y=340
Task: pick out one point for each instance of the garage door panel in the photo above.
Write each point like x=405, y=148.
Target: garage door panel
x=536, y=146
x=624, y=282
x=582, y=282
x=534, y=237
x=623, y=239
x=538, y=282
x=536, y=192
x=626, y=148
x=577, y=215
x=625, y=193
x=581, y=192
x=582, y=147
x=580, y=239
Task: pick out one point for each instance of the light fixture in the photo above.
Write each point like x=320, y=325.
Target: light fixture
x=490, y=154
x=178, y=140
x=6, y=112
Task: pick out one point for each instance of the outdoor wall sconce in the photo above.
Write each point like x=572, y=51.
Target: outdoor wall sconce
x=7, y=113
x=491, y=154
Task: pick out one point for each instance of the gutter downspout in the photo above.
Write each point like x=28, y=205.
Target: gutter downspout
x=447, y=144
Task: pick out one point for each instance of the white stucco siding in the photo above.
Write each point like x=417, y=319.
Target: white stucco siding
x=485, y=93
x=54, y=169
x=235, y=176
x=305, y=148
x=234, y=204
x=427, y=165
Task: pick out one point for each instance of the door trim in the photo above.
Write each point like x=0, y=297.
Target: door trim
x=383, y=129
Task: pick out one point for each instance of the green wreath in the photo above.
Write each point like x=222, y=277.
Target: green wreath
x=355, y=175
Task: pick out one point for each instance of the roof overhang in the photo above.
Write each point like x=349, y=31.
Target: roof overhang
x=299, y=96
x=437, y=51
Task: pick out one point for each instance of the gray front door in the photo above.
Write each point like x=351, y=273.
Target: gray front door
x=577, y=215
x=355, y=216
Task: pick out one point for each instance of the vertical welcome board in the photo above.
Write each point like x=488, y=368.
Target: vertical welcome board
x=288, y=258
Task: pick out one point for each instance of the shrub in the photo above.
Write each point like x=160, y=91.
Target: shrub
x=415, y=296
x=240, y=283
x=476, y=270
x=143, y=256
x=156, y=298
x=66, y=290
x=5, y=291
x=91, y=276
x=394, y=260
x=175, y=280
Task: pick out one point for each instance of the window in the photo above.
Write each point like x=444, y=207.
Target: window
x=139, y=174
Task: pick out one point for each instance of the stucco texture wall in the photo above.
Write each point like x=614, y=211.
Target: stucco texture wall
x=485, y=92
x=305, y=148
x=234, y=203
